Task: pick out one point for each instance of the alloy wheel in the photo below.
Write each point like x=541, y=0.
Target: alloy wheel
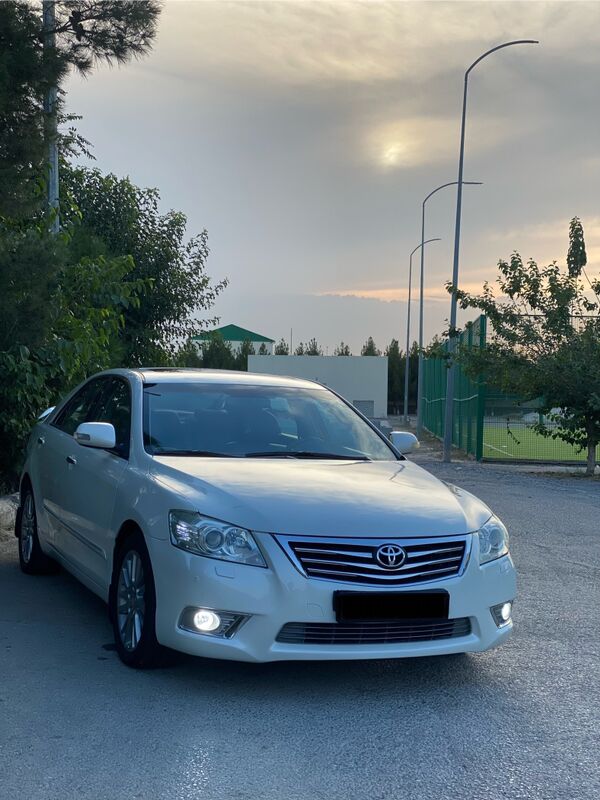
x=131, y=605
x=27, y=529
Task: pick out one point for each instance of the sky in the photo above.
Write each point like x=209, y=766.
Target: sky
x=304, y=136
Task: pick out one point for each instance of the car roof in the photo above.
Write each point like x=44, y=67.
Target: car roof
x=222, y=376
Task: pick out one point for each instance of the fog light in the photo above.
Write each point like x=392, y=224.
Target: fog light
x=211, y=622
x=206, y=621
x=502, y=613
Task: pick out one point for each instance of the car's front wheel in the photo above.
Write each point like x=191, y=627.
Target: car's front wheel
x=133, y=605
x=32, y=559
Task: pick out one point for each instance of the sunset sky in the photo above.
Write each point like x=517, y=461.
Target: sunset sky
x=304, y=137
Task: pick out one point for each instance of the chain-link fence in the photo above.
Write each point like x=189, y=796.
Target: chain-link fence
x=488, y=424
x=509, y=433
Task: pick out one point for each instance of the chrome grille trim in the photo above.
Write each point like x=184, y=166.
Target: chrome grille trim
x=370, y=633
x=353, y=560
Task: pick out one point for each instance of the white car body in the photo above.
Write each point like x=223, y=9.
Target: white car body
x=83, y=507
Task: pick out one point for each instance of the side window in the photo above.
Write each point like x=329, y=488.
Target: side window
x=115, y=407
x=80, y=407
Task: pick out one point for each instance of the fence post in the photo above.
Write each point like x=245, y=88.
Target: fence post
x=469, y=447
x=480, y=394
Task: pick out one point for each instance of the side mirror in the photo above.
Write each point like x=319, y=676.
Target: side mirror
x=96, y=434
x=404, y=441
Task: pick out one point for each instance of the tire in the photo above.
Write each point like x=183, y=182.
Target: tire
x=132, y=605
x=32, y=559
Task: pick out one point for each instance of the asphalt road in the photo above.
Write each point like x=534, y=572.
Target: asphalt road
x=519, y=722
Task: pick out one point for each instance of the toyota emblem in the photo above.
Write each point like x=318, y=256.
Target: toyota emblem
x=390, y=556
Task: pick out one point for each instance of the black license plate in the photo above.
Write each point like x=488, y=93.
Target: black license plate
x=384, y=606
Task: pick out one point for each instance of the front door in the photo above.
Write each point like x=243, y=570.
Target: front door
x=89, y=481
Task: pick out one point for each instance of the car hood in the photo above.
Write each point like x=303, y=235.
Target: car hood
x=322, y=498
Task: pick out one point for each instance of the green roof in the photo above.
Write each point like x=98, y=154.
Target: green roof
x=233, y=333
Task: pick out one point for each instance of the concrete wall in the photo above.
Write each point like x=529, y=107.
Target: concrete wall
x=360, y=379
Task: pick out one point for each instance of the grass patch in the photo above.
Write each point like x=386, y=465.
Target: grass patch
x=518, y=442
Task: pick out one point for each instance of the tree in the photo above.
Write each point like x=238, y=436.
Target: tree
x=299, y=351
x=545, y=343
x=396, y=368
x=87, y=31
x=217, y=354
x=54, y=334
x=241, y=358
x=369, y=348
x=118, y=218
x=313, y=348
x=113, y=31
x=25, y=74
x=342, y=350
x=282, y=348
x=262, y=350
x=189, y=355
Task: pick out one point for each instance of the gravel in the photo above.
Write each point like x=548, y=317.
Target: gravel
x=518, y=722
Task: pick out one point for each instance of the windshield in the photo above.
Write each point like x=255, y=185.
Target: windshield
x=238, y=420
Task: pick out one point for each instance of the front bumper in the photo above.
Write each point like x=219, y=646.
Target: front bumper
x=279, y=595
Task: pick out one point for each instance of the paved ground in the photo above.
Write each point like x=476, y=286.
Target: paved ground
x=520, y=722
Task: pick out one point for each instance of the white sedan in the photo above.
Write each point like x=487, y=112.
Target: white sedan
x=257, y=518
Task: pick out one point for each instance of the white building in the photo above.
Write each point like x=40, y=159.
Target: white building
x=363, y=380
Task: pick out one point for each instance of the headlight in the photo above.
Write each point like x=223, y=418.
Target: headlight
x=493, y=540
x=210, y=537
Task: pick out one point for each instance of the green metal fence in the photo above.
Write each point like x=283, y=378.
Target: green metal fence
x=469, y=396
x=488, y=424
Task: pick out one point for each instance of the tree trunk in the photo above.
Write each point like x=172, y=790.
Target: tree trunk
x=591, y=457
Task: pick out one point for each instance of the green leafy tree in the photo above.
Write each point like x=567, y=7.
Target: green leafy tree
x=300, y=351
x=282, y=348
x=87, y=31
x=369, y=348
x=25, y=74
x=241, y=359
x=113, y=31
x=545, y=343
x=217, y=353
x=396, y=367
x=313, y=348
x=118, y=218
x=262, y=350
x=78, y=316
x=189, y=355
x=342, y=350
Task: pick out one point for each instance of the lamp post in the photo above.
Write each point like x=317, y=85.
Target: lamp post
x=449, y=410
x=407, y=369
x=420, y=368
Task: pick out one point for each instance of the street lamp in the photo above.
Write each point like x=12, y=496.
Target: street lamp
x=448, y=421
x=420, y=369
x=406, y=371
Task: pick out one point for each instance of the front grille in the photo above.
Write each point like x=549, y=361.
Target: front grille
x=393, y=632
x=354, y=560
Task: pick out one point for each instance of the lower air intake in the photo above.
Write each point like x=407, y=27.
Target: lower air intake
x=397, y=632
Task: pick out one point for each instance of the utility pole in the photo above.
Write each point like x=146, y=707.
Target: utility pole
x=419, y=430
x=452, y=339
x=407, y=368
x=49, y=26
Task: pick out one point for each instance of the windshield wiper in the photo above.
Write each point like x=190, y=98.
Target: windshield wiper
x=207, y=453
x=306, y=454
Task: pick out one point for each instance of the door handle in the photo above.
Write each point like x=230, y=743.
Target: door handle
x=71, y=460
x=41, y=440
